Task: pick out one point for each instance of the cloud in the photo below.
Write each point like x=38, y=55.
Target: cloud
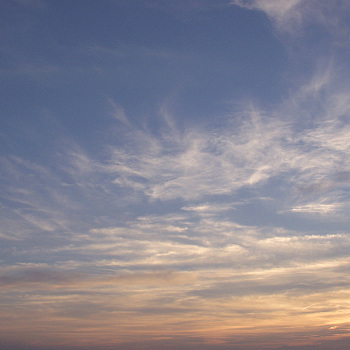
x=285, y=12
x=179, y=242
x=198, y=163
x=292, y=15
x=36, y=276
x=39, y=277
x=302, y=144
x=118, y=112
x=183, y=268
x=319, y=208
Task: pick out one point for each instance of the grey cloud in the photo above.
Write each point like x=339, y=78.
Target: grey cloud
x=293, y=283
x=36, y=276
x=82, y=309
x=342, y=177
x=30, y=276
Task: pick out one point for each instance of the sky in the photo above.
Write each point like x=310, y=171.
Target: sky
x=174, y=174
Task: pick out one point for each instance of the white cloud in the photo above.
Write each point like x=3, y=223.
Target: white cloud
x=254, y=150
x=292, y=15
x=317, y=208
x=177, y=241
x=198, y=163
x=209, y=209
x=284, y=12
x=118, y=112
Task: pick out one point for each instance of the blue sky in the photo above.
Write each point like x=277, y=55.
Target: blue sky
x=174, y=174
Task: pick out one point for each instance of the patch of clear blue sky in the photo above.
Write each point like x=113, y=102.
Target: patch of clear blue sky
x=62, y=59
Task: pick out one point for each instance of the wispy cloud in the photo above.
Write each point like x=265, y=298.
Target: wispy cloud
x=320, y=208
x=294, y=280
x=292, y=15
x=285, y=13
x=200, y=163
x=195, y=164
x=34, y=278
